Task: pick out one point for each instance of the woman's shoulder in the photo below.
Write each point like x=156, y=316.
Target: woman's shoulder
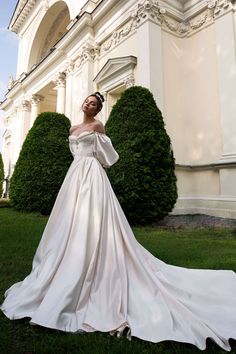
x=98, y=126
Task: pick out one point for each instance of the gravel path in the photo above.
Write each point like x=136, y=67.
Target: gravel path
x=196, y=221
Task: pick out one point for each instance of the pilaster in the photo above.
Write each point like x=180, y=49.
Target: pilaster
x=60, y=81
x=70, y=66
x=148, y=19
x=225, y=27
x=85, y=62
x=35, y=107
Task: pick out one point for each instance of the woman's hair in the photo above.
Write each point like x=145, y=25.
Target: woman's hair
x=100, y=100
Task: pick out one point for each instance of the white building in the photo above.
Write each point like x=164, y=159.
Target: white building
x=184, y=51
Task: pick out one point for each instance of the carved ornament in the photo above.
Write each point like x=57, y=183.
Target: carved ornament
x=152, y=10
x=148, y=10
x=129, y=81
x=70, y=66
x=88, y=52
x=11, y=82
x=25, y=105
x=36, y=99
x=60, y=79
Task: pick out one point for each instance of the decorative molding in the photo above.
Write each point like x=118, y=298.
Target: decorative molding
x=182, y=27
x=116, y=72
x=228, y=158
x=152, y=10
x=231, y=163
x=129, y=81
x=148, y=10
x=11, y=82
x=189, y=27
x=22, y=10
x=89, y=6
x=22, y=77
x=207, y=197
x=220, y=6
x=45, y=5
x=25, y=105
x=117, y=36
x=14, y=110
x=7, y=121
x=206, y=12
x=36, y=99
x=70, y=66
x=60, y=79
x=7, y=134
x=198, y=20
x=88, y=52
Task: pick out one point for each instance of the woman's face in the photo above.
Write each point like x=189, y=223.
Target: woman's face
x=90, y=106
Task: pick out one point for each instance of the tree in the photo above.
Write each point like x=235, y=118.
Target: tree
x=1, y=175
x=144, y=178
x=42, y=164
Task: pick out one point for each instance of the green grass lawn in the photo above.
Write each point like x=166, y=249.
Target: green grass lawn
x=19, y=237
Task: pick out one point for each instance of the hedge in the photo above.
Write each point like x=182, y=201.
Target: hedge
x=42, y=164
x=144, y=178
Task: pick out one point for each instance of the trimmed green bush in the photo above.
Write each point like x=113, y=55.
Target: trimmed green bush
x=43, y=162
x=1, y=175
x=144, y=178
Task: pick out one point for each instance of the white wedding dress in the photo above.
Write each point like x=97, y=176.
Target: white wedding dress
x=90, y=274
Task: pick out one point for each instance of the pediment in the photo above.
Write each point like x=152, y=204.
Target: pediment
x=115, y=67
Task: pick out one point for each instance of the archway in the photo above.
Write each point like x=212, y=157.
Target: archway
x=51, y=29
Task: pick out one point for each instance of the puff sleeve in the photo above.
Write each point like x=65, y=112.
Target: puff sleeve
x=104, y=150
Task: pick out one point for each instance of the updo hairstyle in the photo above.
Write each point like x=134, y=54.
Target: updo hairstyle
x=100, y=100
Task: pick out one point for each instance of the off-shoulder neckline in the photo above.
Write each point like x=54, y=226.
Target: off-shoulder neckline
x=86, y=131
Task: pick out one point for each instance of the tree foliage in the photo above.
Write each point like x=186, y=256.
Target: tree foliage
x=144, y=178
x=42, y=164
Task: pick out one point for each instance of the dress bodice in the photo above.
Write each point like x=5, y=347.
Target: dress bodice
x=93, y=144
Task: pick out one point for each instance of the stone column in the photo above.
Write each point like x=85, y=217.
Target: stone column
x=22, y=116
x=35, y=107
x=61, y=92
x=147, y=19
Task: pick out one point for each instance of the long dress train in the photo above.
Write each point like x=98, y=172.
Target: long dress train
x=89, y=272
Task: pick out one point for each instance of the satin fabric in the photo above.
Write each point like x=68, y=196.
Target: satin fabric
x=90, y=274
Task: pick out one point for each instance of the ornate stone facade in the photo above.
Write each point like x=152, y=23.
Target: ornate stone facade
x=182, y=50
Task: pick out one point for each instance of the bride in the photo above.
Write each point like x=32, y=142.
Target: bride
x=90, y=274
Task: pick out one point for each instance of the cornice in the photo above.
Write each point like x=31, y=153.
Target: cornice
x=22, y=10
x=183, y=8
x=197, y=17
x=186, y=9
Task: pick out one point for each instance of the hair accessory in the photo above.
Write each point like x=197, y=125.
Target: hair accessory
x=99, y=96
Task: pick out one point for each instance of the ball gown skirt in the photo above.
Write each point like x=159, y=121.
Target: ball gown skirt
x=90, y=274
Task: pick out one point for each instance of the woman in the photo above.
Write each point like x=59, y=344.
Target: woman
x=90, y=274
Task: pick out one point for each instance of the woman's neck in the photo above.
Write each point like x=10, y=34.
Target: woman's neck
x=88, y=119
